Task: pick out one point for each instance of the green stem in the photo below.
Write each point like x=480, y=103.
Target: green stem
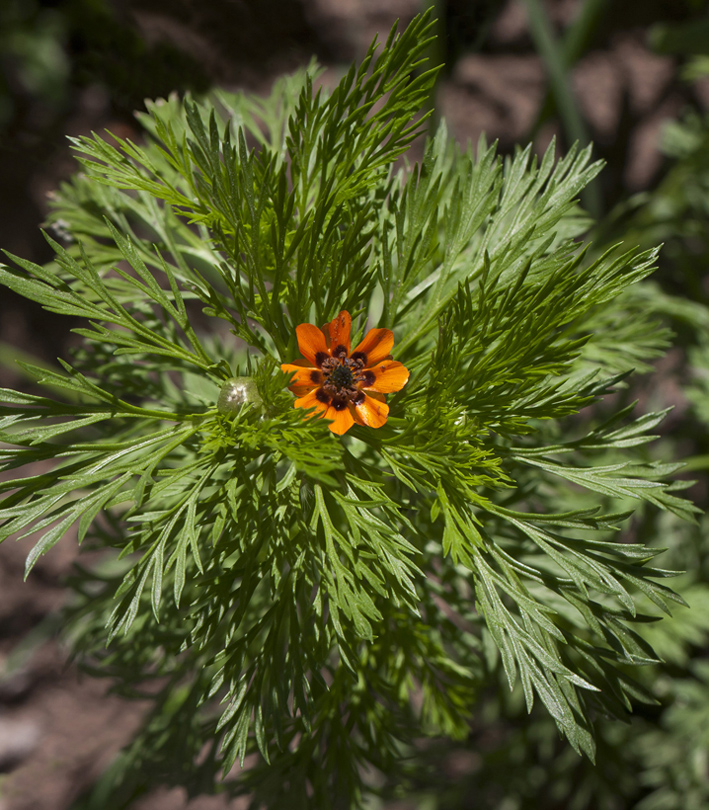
x=556, y=63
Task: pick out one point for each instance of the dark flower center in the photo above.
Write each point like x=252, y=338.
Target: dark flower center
x=341, y=377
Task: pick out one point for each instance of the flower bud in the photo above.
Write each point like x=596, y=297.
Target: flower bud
x=238, y=391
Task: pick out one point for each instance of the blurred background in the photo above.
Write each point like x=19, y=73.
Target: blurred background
x=631, y=77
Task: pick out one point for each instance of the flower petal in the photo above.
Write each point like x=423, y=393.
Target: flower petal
x=306, y=377
x=372, y=411
x=315, y=399
x=376, y=346
x=342, y=420
x=339, y=331
x=385, y=377
x=311, y=343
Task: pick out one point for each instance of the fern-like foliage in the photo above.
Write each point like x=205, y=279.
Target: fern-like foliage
x=316, y=599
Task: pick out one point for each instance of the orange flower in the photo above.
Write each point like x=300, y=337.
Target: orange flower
x=345, y=387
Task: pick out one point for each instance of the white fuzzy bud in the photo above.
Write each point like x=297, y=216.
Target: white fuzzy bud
x=238, y=391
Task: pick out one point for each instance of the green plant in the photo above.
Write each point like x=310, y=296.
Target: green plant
x=275, y=589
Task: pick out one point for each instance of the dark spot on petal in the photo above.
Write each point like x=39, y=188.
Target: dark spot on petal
x=339, y=403
x=320, y=358
x=358, y=398
x=361, y=356
x=316, y=377
x=321, y=396
x=368, y=378
x=339, y=351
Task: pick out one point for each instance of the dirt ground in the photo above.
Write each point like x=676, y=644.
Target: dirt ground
x=58, y=730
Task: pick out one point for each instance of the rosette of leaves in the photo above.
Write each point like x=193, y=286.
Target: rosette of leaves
x=322, y=601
